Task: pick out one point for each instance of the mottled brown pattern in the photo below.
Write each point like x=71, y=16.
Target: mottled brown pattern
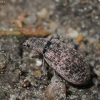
x=66, y=61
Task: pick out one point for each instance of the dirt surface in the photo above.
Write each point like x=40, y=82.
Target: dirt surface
x=21, y=75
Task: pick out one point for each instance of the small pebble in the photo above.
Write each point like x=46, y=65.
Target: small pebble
x=98, y=45
x=19, y=21
x=33, y=82
x=82, y=47
x=30, y=19
x=79, y=38
x=73, y=97
x=53, y=25
x=92, y=63
x=12, y=97
x=97, y=70
x=97, y=48
x=38, y=62
x=72, y=33
x=26, y=83
x=92, y=40
x=56, y=90
x=95, y=81
x=2, y=61
x=37, y=74
x=43, y=13
x=22, y=16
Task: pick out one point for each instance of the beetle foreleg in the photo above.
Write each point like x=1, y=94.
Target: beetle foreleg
x=44, y=67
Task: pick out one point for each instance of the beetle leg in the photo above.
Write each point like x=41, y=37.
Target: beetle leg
x=44, y=67
x=55, y=77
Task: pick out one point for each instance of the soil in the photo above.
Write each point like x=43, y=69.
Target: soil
x=21, y=75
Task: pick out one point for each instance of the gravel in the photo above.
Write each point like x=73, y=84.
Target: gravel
x=21, y=77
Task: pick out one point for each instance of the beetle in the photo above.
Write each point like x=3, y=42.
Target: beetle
x=66, y=61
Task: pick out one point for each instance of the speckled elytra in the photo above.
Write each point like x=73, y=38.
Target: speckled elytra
x=66, y=61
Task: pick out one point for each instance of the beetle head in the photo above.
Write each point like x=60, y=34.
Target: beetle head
x=30, y=42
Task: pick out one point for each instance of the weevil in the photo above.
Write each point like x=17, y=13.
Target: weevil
x=66, y=61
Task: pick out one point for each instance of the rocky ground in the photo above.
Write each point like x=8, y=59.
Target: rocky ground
x=21, y=76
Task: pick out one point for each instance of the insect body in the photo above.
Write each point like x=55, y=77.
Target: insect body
x=66, y=61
